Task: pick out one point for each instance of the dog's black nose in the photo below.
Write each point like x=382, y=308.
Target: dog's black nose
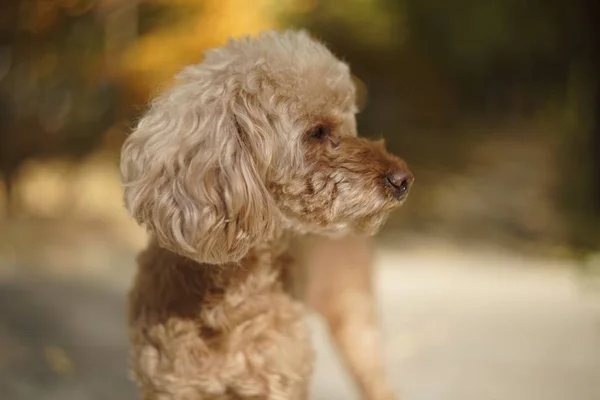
x=400, y=181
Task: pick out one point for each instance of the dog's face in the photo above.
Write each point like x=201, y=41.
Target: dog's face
x=258, y=137
x=343, y=183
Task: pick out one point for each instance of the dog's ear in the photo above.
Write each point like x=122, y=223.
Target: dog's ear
x=192, y=176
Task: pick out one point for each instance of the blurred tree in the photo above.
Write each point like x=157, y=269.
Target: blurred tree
x=55, y=98
x=375, y=38
x=367, y=24
x=174, y=33
x=497, y=51
x=580, y=192
x=515, y=56
x=466, y=57
x=65, y=63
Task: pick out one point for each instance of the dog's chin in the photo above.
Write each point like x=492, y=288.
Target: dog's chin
x=333, y=230
x=364, y=226
x=370, y=225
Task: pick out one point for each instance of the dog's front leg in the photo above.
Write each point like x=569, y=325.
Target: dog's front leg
x=340, y=287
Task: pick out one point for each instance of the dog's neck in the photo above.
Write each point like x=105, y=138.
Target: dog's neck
x=164, y=266
x=270, y=248
x=170, y=284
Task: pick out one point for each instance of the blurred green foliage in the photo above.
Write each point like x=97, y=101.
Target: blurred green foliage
x=72, y=70
x=55, y=98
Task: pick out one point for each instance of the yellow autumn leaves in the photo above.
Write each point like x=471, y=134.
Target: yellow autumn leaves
x=156, y=57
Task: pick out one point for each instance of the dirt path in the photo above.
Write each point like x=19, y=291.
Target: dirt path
x=476, y=326
x=481, y=326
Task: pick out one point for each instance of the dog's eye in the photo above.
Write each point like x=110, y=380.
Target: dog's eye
x=319, y=132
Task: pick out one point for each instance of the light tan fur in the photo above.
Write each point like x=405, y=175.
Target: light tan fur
x=252, y=146
x=335, y=278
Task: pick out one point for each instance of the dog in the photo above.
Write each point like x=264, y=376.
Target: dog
x=251, y=148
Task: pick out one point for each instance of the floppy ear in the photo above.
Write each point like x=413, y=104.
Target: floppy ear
x=192, y=177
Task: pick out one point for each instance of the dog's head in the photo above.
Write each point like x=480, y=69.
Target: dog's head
x=258, y=137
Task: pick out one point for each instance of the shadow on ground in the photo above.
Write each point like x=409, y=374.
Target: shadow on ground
x=62, y=341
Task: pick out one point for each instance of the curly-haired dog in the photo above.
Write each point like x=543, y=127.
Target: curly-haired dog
x=253, y=145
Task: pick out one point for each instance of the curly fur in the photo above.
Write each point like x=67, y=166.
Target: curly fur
x=254, y=144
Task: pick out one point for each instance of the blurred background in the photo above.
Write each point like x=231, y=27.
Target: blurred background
x=489, y=274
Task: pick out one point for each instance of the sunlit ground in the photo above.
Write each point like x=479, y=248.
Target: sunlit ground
x=460, y=322
x=71, y=221
x=471, y=324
